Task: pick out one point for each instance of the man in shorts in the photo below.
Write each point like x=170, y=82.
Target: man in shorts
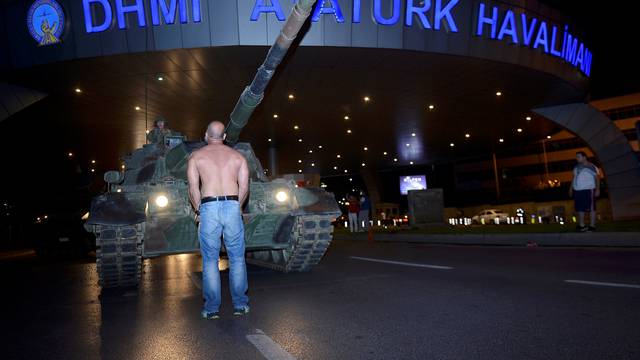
x=585, y=188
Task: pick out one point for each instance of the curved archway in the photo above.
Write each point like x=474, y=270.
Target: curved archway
x=619, y=162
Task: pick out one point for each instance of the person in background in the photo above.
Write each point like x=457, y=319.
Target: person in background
x=363, y=214
x=585, y=188
x=354, y=209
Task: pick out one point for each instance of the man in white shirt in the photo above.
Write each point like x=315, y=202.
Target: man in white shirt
x=585, y=188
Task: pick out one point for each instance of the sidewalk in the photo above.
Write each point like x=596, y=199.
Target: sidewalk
x=596, y=239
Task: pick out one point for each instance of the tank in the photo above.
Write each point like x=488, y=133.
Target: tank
x=146, y=212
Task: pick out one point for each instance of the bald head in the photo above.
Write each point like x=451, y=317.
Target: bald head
x=215, y=131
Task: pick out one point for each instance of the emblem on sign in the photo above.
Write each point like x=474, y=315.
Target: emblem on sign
x=45, y=21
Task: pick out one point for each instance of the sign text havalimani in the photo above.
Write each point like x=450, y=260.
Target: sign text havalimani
x=493, y=22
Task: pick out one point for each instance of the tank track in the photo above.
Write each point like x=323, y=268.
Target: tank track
x=119, y=254
x=311, y=237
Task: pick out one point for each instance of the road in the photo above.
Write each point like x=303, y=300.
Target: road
x=364, y=301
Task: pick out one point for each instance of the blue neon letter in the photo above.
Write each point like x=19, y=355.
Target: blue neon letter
x=421, y=11
x=542, y=38
x=445, y=14
x=168, y=13
x=357, y=10
x=554, y=34
x=195, y=9
x=260, y=7
x=527, y=34
x=333, y=9
x=571, y=47
x=395, y=13
x=580, y=57
x=509, y=27
x=482, y=20
x=88, y=19
x=122, y=10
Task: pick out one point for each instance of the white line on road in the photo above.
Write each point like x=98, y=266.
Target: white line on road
x=270, y=349
x=196, y=282
x=603, y=284
x=402, y=263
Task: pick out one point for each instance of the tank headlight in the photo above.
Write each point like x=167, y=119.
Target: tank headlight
x=282, y=196
x=162, y=201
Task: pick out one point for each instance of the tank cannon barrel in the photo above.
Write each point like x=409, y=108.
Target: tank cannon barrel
x=254, y=93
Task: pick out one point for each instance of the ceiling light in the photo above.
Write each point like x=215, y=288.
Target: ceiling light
x=408, y=144
x=452, y=144
x=519, y=130
x=291, y=97
x=296, y=127
x=275, y=116
x=319, y=146
x=299, y=161
x=528, y=118
x=313, y=164
x=346, y=117
x=431, y=107
x=501, y=140
x=548, y=136
x=384, y=153
x=299, y=140
x=137, y=108
x=338, y=156
x=93, y=161
x=345, y=170
x=499, y=93
x=78, y=90
x=348, y=131
x=395, y=159
x=70, y=154
x=413, y=134
x=410, y=162
x=300, y=171
x=160, y=78
x=467, y=135
x=367, y=99
x=365, y=148
x=269, y=140
x=335, y=168
x=363, y=164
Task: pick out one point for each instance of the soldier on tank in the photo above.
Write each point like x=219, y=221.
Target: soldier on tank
x=159, y=131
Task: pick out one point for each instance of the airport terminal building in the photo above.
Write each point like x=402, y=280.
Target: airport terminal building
x=433, y=74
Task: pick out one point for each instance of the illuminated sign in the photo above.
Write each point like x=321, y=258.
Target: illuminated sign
x=414, y=182
x=46, y=20
x=522, y=30
x=99, y=14
x=498, y=23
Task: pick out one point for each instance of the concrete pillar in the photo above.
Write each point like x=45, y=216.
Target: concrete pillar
x=273, y=161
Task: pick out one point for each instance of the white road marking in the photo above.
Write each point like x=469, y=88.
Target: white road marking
x=402, y=263
x=195, y=281
x=603, y=284
x=270, y=349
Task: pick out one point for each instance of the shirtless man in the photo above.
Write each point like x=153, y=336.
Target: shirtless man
x=218, y=186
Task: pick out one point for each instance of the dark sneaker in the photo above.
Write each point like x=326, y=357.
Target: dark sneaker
x=241, y=311
x=210, y=315
x=591, y=229
x=581, y=228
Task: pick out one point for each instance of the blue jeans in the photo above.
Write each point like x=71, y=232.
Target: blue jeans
x=222, y=218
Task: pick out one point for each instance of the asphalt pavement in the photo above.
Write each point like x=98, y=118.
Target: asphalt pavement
x=364, y=301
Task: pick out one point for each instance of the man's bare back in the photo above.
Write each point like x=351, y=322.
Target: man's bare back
x=216, y=169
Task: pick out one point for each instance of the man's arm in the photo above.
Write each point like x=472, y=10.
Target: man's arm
x=572, y=180
x=194, y=183
x=243, y=180
x=597, y=176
